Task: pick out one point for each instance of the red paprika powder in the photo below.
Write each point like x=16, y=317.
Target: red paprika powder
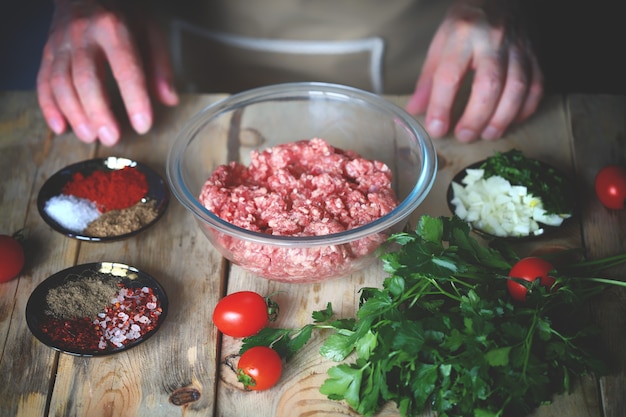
x=110, y=190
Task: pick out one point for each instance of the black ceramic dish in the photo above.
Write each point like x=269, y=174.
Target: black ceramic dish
x=546, y=228
x=157, y=191
x=129, y=276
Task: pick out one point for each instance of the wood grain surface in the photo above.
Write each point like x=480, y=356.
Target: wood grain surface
x=186, y=368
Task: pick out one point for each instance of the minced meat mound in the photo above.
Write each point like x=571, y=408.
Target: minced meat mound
x=303, y=188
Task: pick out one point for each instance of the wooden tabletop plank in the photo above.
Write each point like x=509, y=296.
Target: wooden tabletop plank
x=186, y=367
x=28, y=156
x=599, y=133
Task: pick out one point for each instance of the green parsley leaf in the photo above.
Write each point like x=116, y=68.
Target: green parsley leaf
x=322, y=316
x=344, y=382
x=498, y=357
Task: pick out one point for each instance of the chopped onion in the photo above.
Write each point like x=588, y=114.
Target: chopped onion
x=494, y=206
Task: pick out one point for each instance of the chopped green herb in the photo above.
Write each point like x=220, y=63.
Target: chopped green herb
x=542, y=180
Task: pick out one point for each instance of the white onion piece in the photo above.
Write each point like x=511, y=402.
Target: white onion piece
x=494, y=206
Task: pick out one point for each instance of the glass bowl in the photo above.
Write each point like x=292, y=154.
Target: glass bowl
x=348, y=119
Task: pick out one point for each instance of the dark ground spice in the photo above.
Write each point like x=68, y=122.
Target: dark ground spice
x=120, y=222
x=81, y=297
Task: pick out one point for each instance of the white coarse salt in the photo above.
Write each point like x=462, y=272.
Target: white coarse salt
x=71, y=212
x=143, y=320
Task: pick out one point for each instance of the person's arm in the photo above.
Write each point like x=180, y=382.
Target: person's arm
x=86, y=36
x=488, y=38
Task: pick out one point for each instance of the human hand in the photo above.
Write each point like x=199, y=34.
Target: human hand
x=486, y=37
x=71, y=84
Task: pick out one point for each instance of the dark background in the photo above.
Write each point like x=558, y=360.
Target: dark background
x=581, y=44
x=23, y=30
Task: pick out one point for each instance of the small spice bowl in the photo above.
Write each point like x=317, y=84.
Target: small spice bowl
x=136, y=310
x=544, y=229
x=84, y=218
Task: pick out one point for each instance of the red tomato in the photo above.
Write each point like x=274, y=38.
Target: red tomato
x=11, y=258
x=259, y=368
x=529, y=269
x=610, y=186
x=241, y=314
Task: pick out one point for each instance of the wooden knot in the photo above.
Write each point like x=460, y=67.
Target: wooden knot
x=184, y=395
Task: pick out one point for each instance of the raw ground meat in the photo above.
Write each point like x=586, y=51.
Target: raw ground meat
x=303, y=188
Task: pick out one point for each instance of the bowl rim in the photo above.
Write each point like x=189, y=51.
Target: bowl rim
x=404, y=209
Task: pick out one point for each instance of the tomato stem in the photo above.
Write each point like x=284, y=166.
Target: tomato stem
x=273, y=309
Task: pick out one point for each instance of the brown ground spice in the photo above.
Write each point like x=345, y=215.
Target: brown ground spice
x=81, y=297
x=120, y=222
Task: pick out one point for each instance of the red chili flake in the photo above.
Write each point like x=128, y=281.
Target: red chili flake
x=72, y=334
x=135, y=312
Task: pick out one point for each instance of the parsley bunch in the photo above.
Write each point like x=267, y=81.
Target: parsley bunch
x=442, y=333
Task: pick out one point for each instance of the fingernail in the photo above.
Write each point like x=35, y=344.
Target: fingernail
x=466, y=135
x=107, y=136
x=84, y=132
x=56, y=125
x=436, y=128
x=491, y=133
x=141, y=122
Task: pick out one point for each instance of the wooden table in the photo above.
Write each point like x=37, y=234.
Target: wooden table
x=182, y=370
